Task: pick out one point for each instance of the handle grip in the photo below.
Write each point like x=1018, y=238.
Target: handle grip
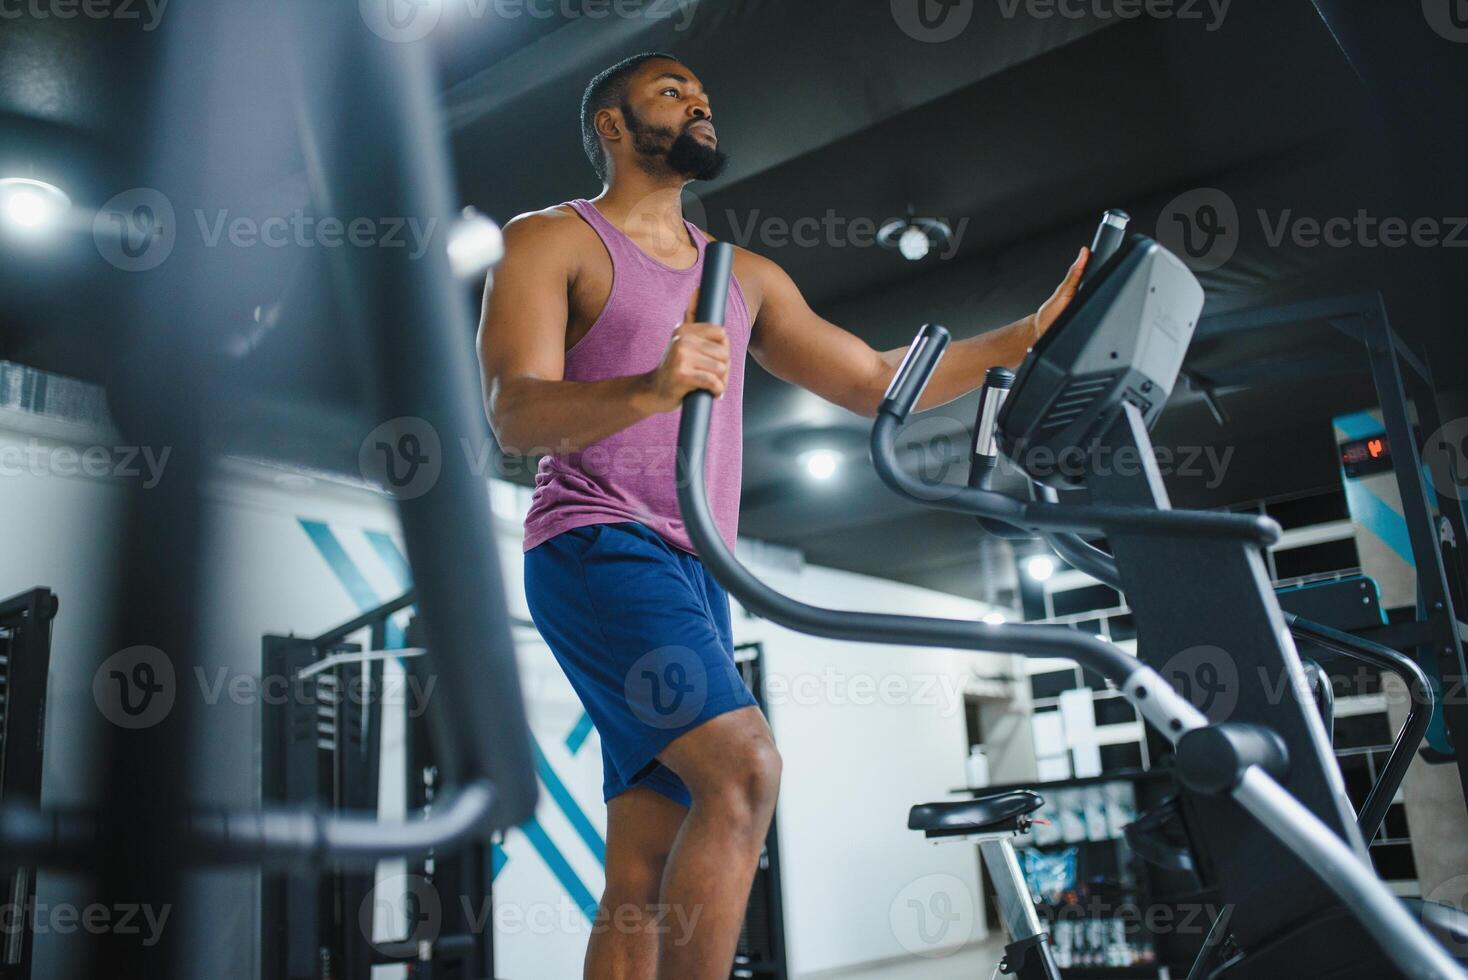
x=1109, y=236
x=915, y=371
x=713, y=286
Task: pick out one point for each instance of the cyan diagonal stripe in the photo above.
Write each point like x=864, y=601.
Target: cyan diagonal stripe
x=387, y=550
x=578, y=734
x=559, y=867
x=1378, y=517
x=497, y=860
x=341, y=564
x=568, y=805
x=1359, y=425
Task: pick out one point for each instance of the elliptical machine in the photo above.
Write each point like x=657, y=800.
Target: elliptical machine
x=1261, y=794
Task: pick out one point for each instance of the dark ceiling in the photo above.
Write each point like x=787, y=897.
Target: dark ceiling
x=1019, y=131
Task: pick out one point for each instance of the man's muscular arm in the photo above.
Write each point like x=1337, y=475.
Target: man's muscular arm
x=796, y=345
x=522, y=342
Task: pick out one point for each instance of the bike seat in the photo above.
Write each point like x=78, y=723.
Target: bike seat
x=999, y=813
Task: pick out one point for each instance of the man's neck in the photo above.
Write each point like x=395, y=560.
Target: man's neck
x=642, y=204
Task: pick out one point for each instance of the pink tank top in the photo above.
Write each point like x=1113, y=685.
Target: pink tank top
x=630, y=475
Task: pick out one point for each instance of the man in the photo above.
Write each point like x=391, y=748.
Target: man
x=587, y=350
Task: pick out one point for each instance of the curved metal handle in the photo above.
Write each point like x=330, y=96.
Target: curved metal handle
x=1419, y=711
x=915, y=371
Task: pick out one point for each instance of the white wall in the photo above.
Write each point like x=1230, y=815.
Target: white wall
x=865, y=731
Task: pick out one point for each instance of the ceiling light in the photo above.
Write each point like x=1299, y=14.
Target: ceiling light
x=31, y=205
x=1039, y=567
x=996, y=618
x=822, y=464
x=915, y=237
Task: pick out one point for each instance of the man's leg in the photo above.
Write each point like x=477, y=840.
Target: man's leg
x=641, y=827
x=732, y=769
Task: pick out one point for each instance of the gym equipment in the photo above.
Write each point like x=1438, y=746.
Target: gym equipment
x=1260, y=790
x=322, y=748
x=365, y=132
x=25, y=660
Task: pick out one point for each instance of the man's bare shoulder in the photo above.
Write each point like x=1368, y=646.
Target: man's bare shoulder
x=555, y=234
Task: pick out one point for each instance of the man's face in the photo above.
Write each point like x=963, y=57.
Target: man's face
x=670, y=122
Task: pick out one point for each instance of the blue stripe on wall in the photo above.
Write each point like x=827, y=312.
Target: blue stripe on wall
x=1378, y=517
x=559, y=867
x=341, y=565
x=1359, y=425
x=568, y=805
x=387, y=550
x=579, y=734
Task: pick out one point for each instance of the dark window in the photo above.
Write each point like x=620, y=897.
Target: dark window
x=1394, y=862
x=1305, y=511
x=1053, y=684
x=1329, y=556
x=1359, y=731
x=1073, y=601
x=1358, y=778
x=1114, y=711
x=1127, y=755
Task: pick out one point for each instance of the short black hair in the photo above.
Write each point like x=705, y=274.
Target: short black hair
x=608, y=90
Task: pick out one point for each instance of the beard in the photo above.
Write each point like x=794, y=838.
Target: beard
x=666, y=151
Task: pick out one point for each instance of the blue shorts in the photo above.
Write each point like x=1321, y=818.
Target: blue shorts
x=642, y=631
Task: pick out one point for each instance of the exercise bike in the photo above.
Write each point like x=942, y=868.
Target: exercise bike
x=1260, y=793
